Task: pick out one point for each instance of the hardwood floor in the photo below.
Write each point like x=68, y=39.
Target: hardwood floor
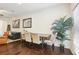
x=24, y=48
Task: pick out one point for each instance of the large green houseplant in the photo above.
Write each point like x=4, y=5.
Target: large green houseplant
x=60, y=27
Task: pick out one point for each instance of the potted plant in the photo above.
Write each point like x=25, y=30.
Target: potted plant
x=60, y=27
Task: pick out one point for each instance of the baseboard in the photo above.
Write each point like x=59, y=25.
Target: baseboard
x=9, y=40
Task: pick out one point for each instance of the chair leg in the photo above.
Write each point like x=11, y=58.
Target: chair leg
x=53, y=47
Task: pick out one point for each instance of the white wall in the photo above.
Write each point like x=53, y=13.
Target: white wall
x=42, y=20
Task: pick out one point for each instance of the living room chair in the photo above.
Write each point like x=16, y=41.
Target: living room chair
x=35, y=38
x=48, y=41
x=3, y=39
x=27, y=37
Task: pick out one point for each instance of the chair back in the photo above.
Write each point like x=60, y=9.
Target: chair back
x=49, y=37
x=35, y=38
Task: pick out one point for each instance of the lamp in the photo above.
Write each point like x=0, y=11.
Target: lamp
x=4, y=13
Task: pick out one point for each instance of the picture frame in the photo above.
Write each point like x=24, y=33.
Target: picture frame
x=16, y=23
x=27, y=23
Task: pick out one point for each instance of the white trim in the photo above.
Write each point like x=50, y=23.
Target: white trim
x=9, y=40
x=75, y=7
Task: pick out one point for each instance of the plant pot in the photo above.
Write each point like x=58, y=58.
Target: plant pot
x=61, y=48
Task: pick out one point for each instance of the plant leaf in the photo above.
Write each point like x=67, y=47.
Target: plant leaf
x=68, y=23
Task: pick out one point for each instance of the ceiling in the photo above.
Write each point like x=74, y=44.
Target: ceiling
x=18, y=9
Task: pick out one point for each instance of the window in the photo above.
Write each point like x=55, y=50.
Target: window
x=3, y=27
x=76, y=29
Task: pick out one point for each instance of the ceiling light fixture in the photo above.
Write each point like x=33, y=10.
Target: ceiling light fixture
x=19, y=3
x=4, y=13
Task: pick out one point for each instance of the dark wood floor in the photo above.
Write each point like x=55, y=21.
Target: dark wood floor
x=24, y=48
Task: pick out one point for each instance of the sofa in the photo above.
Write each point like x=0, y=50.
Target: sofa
x=15, y=35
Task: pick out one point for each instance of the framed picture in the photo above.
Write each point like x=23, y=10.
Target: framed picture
x=27, y=23
x=16, y=23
